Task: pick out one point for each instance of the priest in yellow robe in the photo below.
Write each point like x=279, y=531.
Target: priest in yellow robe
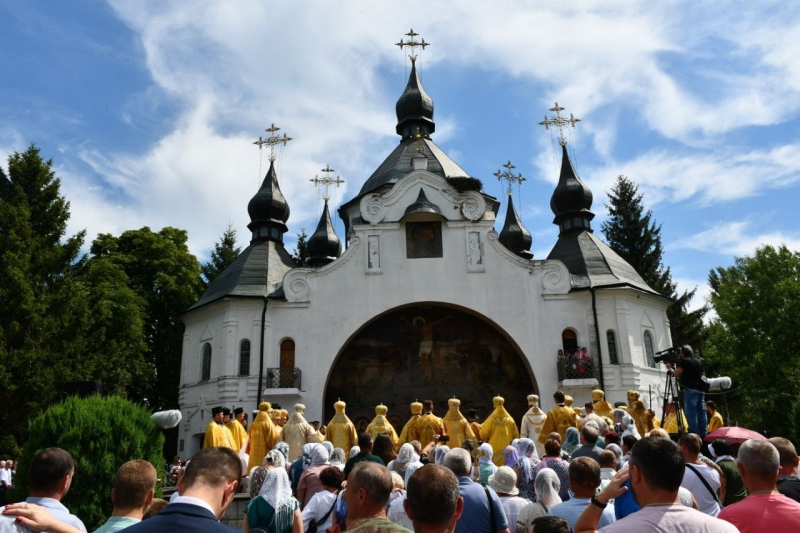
x=638, y=412
x=226, y=427
x=559, y=418
x=568, y=401
x=410, y=432
x=341, y=432
x=380, y=425
x=215, y=435
x=456, y=426
x=499, y=429
x=263, y=436
x=275, y=416
x=601, y=406
x=297, y=432
x=714, y=417
x=429, y=424
x=472, y=418
x=237, y=429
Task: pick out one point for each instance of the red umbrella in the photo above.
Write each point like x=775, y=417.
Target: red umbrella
x=734, y=435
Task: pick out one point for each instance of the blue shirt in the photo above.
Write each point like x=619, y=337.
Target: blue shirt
x=588, y=450
x=55, y=508
x=117, y=523
x=570, y=511
x=475, y=517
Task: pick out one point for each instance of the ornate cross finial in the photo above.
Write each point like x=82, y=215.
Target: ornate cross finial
x=327, y=182
x=557, y=120
x=413, y=44
x=509, y=177
x=273, y=140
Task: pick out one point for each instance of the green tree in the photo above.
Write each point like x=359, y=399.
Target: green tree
x=101, y=434
x=633, y=234
x=166, y=276
x=754, y=339
x=224, y=254
x=300, y=254
x=41, y=318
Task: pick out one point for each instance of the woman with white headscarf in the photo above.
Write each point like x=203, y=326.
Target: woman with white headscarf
x=546, y=487
x=337, y=458
x=396, y=512
x=275, y=510
x=310, y=483
x=439, y=454
x=485, y=465
x=626, y=423
x=273, y=459
x=355, y=450
x=525, y=468
x=404, y=458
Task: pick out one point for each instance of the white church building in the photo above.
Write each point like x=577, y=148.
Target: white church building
x=428, y=301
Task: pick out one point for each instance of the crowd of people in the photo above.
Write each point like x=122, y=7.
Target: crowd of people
x=596, y=472
x=7, y=472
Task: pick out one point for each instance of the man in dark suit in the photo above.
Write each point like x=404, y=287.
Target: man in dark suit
x=204, y=494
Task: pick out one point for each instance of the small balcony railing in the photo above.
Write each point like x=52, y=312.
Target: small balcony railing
x=283, y=378
x=571, y=367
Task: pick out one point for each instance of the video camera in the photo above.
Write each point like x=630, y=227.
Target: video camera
x=670, y=355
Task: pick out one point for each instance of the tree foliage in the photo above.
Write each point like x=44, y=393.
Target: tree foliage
x=224, y=254
x=101, y=434
x=757, y=301
x=166, y=276
x=300, y=254
x=633, y=234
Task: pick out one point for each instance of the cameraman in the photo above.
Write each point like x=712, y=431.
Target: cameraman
x=689, y=372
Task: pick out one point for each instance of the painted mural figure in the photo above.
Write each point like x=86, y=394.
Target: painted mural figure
x=456, y=426
x=426, y=331
x=341, y=431
x=533, y=422
x=380, y=425
x=499, y=429
x=410, y=431
x=297, y=432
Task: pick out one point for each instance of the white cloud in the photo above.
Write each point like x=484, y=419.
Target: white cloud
x=734, y=238
x=701, y=288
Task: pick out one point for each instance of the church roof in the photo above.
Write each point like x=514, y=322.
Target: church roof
x=588, y=257
x=257, y=271
x=399, y=163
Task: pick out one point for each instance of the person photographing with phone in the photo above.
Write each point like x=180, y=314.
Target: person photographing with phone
x=689, y=372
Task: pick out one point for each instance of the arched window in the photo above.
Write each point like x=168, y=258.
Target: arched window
x=244, y=358
x=205, y=374
x=287, y=356
x=569, y=341
x=611, y=337
x=648, y=349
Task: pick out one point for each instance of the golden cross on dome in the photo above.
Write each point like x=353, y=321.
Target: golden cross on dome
x=327, y=182
x=560, y=122
x=413, y=44
x=509, y=177
x=273, y=140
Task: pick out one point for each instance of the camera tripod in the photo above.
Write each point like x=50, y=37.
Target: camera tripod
x=671, y=394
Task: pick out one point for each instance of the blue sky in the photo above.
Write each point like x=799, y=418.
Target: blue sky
x=149, y=109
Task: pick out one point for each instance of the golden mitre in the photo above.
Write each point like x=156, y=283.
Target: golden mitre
x=299, y=408
x=265, y=406
x=498, y=401
x=381, y=410
x=454, y=403
x=568, y=401
x=416, y=408
x=598, y=395
x=633, y=395
x=339, y=406
x=533, y=400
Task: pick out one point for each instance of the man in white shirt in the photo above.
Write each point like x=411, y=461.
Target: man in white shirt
x=700, y=479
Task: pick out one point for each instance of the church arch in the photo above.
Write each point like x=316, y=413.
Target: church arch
x=205, y=368
x=428, y=350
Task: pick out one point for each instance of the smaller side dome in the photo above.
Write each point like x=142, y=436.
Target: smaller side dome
x=514, y=236
x=414, y=108
x=571, y=202
x=268, y=210
x=324, y=246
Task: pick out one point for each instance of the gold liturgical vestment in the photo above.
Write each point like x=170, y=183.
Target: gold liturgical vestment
x=499, y=429
x=429, y=425
x=215, y=436
x=410, y=431
x=340, y=431
x=640, y=416
x=380, y=425
x=558, y=419
x=671, y=423
x=456, y=426
x=601, y=406
x=239, y=433
x=263, y=436
x=715, y=422
x=296, y=432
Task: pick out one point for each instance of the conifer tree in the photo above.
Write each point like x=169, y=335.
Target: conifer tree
x=631, y=232
x=300, y=255
x=224, y=254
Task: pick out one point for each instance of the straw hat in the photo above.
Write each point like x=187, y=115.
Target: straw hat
x=504, y=481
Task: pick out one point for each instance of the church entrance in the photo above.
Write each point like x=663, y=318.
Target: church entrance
x=428, y=352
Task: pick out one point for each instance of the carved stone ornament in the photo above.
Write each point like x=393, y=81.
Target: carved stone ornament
x=555, y=278
x=474, y=206
x=372, y=209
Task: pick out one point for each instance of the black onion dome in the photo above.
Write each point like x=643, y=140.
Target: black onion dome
x=324, y=246
x=414, y=108
x=268, y=209
x=514, y=236
x=572, y=200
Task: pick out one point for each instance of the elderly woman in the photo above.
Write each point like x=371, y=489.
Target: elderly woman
x=511, y=455
x=547, y=487
x=439, y=455
x=273, y=459
x=396, y=512
x=310, y=483
x=573, y=441
x=274, y=509
x=525, y=468
x=554, y=461
x=404, y=458
x=626, y=423
x=338, y=459
x=485, y=465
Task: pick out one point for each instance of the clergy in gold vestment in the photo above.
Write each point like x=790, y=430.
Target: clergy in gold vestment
x=340, y=431
x=263, y=436
x=215, y=436
x=410, y=432
x=296, y=432
x=380, y=426
x=456, y=426
x=499, y=429
x=238, y=430
x=472, y=418
x=714, y=418
x=601, y=406
x=429, y=424
x=568, y=401
x=558, y=419
x=671, y=420
x=226, y=427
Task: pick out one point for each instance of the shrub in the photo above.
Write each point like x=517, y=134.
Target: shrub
x=101, y=434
